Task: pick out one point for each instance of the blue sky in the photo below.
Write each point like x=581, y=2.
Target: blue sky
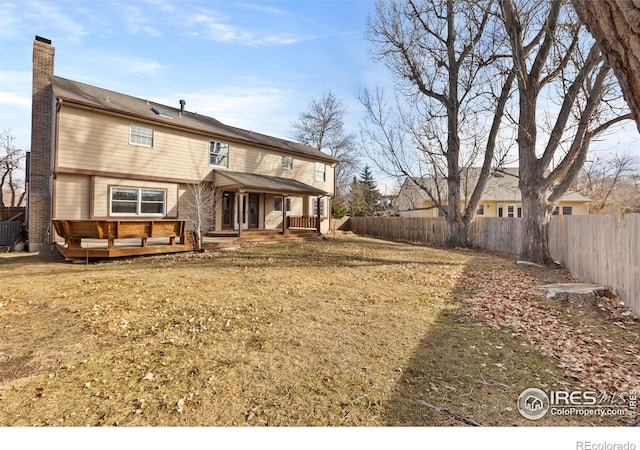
x=251, y=64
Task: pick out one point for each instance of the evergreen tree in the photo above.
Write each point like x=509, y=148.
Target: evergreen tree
x=370, y=193
x=357, y=204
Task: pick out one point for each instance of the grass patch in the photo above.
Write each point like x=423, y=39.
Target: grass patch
x=341, y=332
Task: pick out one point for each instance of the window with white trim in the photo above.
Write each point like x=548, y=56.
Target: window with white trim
x=315, y=207
x=567, y=210
x=126, y=201
x=287, y=162
x=277, y=204
x=218, y=154
x=321, y=172
x=142, y=136
x=480, y=211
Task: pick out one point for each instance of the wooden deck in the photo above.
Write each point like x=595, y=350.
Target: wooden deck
x=115, y=238
x=89, y=239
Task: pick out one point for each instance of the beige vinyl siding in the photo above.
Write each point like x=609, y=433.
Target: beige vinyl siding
x=102, y=187
x=95, y=141
x=579, y=208
x=187, y=210
x=73, y=193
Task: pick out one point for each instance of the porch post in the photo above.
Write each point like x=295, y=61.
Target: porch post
x=240, y=211
x=318, y=224
x=284, y=215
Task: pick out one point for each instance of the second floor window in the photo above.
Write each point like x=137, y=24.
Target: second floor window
x=141, y=136
x=218, y=154
x=287, y=162
x=321, y=172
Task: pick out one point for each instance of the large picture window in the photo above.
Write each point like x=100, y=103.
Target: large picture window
x=127, y=201
x=218, y=154
x=141, y=136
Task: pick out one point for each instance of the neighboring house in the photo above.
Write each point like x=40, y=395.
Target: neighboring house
x=388, y=205
x=501, y=197
x=99, y=154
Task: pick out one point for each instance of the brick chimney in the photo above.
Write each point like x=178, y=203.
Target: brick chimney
x=41, y=156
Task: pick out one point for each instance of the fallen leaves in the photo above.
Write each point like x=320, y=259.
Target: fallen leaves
x=504, y=299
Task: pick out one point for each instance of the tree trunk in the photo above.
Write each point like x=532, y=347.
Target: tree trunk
x=615, y=25
x=458, y=232
x=535, y=233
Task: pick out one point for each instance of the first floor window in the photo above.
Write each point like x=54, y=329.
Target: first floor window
x=556, y=211
x=315, y=206
x=218, y=154
x=480, y=211
x=567, y=210
x=141, y=136
x=277, y=204
x=138, y=201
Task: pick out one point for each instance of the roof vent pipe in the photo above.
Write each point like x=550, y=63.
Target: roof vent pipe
x=182, y=103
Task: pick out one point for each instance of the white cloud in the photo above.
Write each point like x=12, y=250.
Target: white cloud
x=47, y=17
x=11, y=99
x=137, y=22
x=10, y=23
x=16, y=88
x=218, y=29
x=123, y=65
x=262, y=109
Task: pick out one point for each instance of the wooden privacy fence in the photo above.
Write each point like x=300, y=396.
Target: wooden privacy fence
x=498, y=234
x=420, y=230
x=600, y=249
x=597, y=249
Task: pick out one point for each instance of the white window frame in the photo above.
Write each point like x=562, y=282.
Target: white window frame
x=480, y=211
x=219, y=150
x=138, y=201
x=141, y=136
x=314, y=206
x=287, y=162
x=278, y=207
x=321, y=171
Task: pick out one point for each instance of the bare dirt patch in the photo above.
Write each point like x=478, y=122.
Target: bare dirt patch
x=346, y=331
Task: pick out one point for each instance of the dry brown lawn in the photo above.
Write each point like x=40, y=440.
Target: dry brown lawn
x=347, y=331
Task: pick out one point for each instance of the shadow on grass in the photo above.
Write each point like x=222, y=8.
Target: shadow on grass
x=464, y=372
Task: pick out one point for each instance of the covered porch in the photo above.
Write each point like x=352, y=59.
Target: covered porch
x=259, y=205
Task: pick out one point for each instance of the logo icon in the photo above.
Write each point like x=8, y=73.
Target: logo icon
x=533, y=403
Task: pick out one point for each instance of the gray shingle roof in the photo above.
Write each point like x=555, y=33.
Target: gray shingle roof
x=269, y=183
x=84, y=94
x=501, y=186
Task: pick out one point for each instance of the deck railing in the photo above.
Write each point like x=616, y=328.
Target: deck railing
x=73, y=231
x=306, y=222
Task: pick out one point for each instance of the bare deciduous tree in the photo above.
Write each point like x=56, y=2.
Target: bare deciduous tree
x=200, y=201
x=611, y=184
x=442, y=54
x=615, y=26
x=11, y=160
x=322, y=127
x=549, y=51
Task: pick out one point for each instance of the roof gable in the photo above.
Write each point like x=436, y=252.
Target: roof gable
x=116, y=102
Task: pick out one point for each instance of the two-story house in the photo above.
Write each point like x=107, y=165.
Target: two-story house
x=501, y=196
x=99, y=154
